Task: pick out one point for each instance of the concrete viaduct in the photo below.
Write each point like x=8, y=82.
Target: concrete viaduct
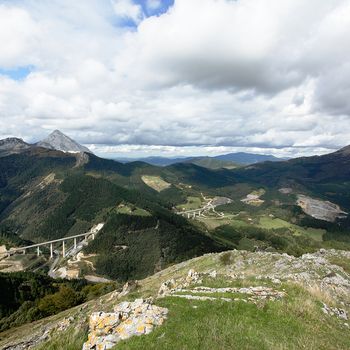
x=91, y=234
x=50, y=244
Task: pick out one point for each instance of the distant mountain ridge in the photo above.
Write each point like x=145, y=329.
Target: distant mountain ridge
x=248, y=158
x=55, y=141
x=229, y=160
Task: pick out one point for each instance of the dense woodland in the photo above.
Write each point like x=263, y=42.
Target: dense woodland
x=26, y=296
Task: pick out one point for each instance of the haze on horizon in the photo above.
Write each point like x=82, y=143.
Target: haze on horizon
x=183, y=77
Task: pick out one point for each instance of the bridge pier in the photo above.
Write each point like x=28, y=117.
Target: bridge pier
x=85, y=236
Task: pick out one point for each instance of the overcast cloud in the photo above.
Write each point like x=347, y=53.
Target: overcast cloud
x=189, y=77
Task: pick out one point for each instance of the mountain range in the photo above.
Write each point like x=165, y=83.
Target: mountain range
x=61, y=142
x=154, y=217
x=55, y=141
x=229, y=160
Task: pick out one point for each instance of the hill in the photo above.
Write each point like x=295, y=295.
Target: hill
x=230, y=160
x=248, y=158
x=212, y=163
x=230, y=300
x=12, y=145
x=327, y=175
x=48, y=194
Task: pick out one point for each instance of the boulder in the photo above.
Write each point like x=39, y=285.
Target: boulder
x=128, y=319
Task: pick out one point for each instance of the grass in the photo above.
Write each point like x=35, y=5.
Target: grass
x=276, y=223
x=192, y=203
x=155, y=182
x=294, y=323
x=72, y=339
x=212, y=222
x=126, y=209
x=341, y=261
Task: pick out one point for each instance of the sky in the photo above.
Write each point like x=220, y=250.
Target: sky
x=184, y=77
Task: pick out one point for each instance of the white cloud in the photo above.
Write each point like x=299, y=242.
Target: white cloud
x=127, y=9
x=208, y=73
x=17, y=36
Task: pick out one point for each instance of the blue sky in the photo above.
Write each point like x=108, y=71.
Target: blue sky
x=164, y=5
x=18, y=73
x=149, y=8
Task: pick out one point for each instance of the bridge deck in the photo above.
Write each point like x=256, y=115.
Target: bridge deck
x=50, y=242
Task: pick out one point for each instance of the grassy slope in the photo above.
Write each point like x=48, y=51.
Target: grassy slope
x=295, y=322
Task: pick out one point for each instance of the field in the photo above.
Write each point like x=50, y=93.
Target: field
x=192, y=203
x=132, y=210
x=155, y=182
x=212, y=222
x=275, y=223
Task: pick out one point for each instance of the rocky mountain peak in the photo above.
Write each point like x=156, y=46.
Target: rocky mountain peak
x=12, y=145
x=10, y=141
x=59, y=141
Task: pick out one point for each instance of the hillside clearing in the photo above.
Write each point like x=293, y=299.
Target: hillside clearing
x=155, y=182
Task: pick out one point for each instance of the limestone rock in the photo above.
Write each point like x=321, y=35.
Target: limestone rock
x=334, y=311
x=128, y=319
x=167, y=287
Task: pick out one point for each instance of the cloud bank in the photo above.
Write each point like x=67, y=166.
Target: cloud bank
x=187, y=75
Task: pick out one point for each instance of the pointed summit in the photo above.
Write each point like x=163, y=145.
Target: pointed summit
x=59, y=141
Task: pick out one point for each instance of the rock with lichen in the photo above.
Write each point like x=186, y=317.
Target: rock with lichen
x=129, y=319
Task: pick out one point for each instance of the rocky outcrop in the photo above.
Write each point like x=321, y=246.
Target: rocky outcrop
x=177, y=288
x=12, y=145
x=249, y=277
x=128, y=319
x=167, y=286
x=61, y=142
x=335, y=311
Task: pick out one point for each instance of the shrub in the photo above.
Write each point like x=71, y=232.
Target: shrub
x=65, y=298
x=225, y=258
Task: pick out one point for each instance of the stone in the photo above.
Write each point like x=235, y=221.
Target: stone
x=192, y=276
x=213, y=274
x=128, y=319
x=334, y=311
x=168, y=286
